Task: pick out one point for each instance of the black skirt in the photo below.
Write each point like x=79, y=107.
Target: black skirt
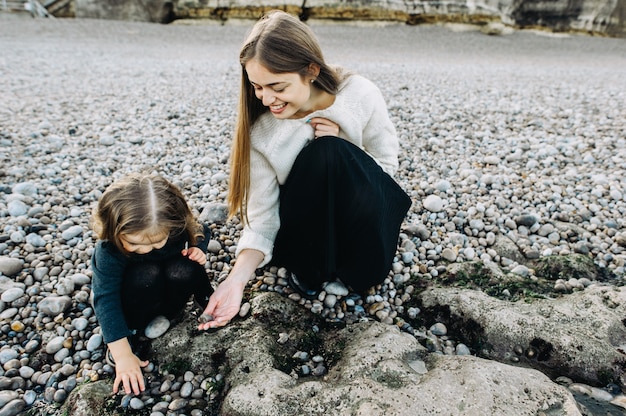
x=340, y=217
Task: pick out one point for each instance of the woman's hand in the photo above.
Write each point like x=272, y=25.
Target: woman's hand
x=127, y=368
x=324, y=127
x=225, y=302
x=195, y=254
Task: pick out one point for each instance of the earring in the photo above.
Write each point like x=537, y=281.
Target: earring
x=312, y=81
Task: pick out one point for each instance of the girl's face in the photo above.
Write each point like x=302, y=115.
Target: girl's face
x=287, y=95
x=142, y=243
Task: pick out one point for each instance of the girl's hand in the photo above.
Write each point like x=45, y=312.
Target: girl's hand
x=195, y=254
x=127, y=368
x=324, y=127
x=128, y=373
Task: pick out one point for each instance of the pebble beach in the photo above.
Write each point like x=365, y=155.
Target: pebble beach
x=521, y=135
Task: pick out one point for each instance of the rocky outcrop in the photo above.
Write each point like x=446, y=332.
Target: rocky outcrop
x=593, y=16
x=580, y=335
x=369, y=369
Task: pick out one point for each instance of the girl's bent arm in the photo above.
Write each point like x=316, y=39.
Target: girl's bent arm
x=225, y=302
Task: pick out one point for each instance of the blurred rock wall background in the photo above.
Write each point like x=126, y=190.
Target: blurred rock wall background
x=605, y=17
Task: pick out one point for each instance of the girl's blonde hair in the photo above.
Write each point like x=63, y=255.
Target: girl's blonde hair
x=143, y=203
x=282, y=44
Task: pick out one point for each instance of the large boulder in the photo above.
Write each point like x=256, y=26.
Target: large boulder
x=581, y=335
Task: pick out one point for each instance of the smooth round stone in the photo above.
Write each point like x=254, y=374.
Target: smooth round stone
x=438, y=329
x=336, y=288
x=443, y=185
x=186, y=389
x=80, y=279
x=55, y=345
x=433, y=203
x=407, y=257
x=60, y=396
x=6, y=396
x=35, y=240
x=31, y=346
x=469, y=253
x=17, y=326
x=95, y=341
x=319, y=370
x=72, y=232
x=10, y=266
x=12, y=294
x=40, y=272
x=449, y=254
x=26, y=372
x=17, y=237
x=136, y=404
x=177, y=404
x=67, y=369
x=29, y=397
x=244, y=310
x=13, y=408
x=165, y=386
x=160, y=408
x=8, y=313
x=462, y=349
x=54, y=305
x=521, y=270
x=7, y=355
x=25, y=188
x=17, y=208
x=214, y=247
x=492, y=160
x=80, y=323
x=107, y=140
x=64, y=287
x=527, y=220
x=157, y=327
x=330, y=301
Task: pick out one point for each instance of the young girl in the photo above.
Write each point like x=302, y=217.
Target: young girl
x=311, y=167
x=147, y=263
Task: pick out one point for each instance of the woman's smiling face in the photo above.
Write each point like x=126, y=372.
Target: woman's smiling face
x=287, y=95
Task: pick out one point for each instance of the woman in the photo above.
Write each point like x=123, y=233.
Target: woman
x=310, y=170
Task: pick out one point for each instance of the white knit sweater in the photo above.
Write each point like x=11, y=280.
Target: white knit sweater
x=361, y=113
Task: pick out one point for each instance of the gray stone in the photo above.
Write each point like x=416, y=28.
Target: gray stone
x=10, y=266
x=157, y=327
x=73, y=231
x=214, y=214
x=54, y=305
x=12, y=294
x=17, y=208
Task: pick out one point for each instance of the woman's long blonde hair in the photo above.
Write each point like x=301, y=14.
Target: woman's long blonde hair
x=282, y=44
x=143, y=203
